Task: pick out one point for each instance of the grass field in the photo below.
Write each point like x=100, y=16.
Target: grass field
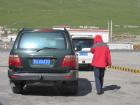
x=47, y=13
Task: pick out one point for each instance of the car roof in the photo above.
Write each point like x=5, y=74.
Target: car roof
x=42, y=30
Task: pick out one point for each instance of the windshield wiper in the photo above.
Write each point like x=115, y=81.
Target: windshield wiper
x=44, y=48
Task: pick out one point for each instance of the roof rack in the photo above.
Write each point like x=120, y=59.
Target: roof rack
x=26, y=29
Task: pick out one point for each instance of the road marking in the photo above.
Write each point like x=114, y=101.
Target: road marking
x=127, y=69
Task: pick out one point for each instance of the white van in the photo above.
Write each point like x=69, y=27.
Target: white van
x=84, y=55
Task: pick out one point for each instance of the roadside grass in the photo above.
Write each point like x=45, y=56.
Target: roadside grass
x=48, y=13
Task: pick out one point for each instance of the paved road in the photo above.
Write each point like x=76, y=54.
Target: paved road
x=4, y=58
x=120, y=88
x=126, y=59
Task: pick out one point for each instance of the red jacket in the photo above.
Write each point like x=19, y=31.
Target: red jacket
x=101, y=53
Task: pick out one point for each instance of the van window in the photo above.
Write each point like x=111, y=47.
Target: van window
x=37, y=40
x=84, y=43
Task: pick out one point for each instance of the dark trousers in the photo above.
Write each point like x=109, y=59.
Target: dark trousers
x=99, y=78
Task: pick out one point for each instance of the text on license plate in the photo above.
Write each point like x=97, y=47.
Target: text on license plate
x=41, y=61
x=83, y=53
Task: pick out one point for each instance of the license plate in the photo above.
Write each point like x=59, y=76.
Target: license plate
x=83, y=53
x=41, y=61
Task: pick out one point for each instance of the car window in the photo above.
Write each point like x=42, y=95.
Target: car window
x=37, y=40
x=84, y=43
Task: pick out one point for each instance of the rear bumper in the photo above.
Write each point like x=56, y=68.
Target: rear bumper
x=84, y=65
x=71, y=76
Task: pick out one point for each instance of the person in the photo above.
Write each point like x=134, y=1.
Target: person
x=100, y=61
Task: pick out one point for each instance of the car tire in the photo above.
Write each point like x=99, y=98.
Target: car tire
x=16, y=87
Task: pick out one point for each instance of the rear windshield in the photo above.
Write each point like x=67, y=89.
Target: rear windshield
x=84, y=43
x=37, y=40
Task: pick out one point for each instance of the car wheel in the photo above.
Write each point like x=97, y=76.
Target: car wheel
x=16, y=87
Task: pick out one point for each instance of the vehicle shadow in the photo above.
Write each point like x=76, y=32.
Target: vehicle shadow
x=1, y=103
x=84, y=88
x=111, y=87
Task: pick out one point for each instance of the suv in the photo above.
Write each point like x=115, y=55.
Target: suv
x=84, y=43
x=43, y=56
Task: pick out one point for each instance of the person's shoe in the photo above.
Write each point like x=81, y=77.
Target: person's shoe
x=99, y=93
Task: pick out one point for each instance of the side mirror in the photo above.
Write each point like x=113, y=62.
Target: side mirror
x=78, y=48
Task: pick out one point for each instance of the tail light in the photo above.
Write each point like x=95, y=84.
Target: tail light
x=70, y=61
x=15, y=61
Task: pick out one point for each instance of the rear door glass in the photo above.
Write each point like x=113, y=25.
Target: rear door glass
x=37, y=40
x=84, y=43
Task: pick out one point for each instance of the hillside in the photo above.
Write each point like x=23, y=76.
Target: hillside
x=125, y=14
